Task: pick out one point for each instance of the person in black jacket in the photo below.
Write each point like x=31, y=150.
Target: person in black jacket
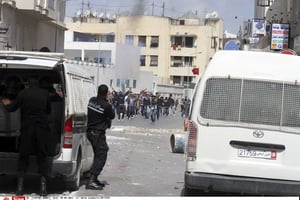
x=100, y=115
x=35, y=106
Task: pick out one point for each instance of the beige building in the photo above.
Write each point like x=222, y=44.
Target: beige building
x=170, y=48
x=29, y=25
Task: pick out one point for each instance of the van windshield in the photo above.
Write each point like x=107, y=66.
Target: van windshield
x=251, y=101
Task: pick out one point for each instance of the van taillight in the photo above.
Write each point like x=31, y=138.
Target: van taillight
x=192, y=142
x=68, y=133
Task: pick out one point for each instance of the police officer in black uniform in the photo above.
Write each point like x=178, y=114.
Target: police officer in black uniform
x=35, y=107
x=100, y=115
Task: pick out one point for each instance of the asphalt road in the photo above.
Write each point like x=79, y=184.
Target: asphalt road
x=140, y=163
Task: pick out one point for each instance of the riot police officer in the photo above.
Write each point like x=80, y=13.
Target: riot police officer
x=100, y=115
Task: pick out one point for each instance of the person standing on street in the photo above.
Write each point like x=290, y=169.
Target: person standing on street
x=100, y=115
x=35, y=106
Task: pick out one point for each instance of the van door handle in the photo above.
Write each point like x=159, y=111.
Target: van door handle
x=256, y=145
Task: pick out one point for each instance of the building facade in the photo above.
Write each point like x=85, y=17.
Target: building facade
x=29, y=25
x=275, y=27
x=174, y=50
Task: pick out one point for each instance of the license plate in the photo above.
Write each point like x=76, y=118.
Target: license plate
x=257, y=154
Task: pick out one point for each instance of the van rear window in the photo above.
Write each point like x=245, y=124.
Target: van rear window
x=251, y=101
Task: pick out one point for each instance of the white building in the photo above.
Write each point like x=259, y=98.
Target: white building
x=114, y=64
x=29, y=25
x=169, y=48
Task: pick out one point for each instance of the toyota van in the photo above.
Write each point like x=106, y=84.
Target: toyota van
x=70, y=153
x=244, y=125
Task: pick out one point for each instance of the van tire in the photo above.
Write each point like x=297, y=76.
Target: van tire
x=73, y=183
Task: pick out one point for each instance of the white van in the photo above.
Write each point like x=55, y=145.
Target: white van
x=244, y=125
x=70, y=152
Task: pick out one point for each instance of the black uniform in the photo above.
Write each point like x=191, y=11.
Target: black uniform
x=100, y=114
x=35, y=107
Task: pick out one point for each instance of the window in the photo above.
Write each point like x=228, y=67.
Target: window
x=142, y=41
x=189, y=42
x=51, y=4
x=118, y=82
x=129, y=39
x=134, y=84
x=176, y=79
x=213, y=42
x=99, y=60
x=127, y=83
x=153, y=61
x=248, y=101
x=177, y=61
x=77, y=58
x=143, y=60
x=188, y=61
x=154, y=41
x=110, y=38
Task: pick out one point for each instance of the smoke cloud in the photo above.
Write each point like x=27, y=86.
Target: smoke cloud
x=139, y=7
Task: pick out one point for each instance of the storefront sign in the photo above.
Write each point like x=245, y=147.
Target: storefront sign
x=258, y=27
x=280, y=36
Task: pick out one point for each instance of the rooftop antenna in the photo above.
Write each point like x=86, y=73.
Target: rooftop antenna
x=163, y=6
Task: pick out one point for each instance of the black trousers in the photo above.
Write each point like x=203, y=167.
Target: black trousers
x=100, y=148
x=33, y=140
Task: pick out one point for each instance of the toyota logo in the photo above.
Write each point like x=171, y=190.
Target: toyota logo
x=258, y=134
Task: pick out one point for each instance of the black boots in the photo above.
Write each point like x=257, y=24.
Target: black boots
x=20, y=185
x=94, y=184
x=43, y=186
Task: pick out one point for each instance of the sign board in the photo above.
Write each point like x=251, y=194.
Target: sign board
x=280, y=36
x=258, y=27
x=232, y=45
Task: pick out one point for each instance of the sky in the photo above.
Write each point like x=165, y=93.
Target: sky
x=233, y=12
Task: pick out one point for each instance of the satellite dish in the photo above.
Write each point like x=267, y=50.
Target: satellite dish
x=207, y=15
x=78, y=13
x=94, y=13
x=214, y=14
x=87, y=13
x=101, y=15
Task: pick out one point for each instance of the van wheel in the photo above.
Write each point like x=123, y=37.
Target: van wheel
x=73, y=183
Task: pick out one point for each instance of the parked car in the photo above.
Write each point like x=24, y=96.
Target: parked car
x=70, y=152
x=244, y=125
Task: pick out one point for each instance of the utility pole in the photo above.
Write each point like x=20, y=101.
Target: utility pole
x=81, y=20
x=152, y=7
x=163, y=13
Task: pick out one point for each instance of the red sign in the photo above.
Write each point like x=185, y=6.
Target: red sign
x=195, y=71
x=18, y=198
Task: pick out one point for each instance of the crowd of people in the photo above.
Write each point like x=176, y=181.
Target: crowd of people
x=128, y=104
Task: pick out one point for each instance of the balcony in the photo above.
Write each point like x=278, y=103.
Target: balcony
x=181, y=71
x=41, y=8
